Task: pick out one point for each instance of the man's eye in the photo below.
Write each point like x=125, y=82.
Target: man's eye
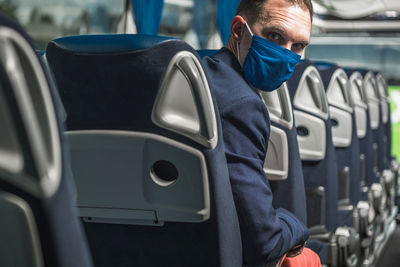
x=298, y=46
x=273, y=36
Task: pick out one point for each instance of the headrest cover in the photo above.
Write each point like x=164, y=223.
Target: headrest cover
x=109, y=43
x=322, y=65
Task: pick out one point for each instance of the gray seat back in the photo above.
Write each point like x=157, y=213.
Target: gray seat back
x=340, y=108
x=310, y=97
x=276, y=164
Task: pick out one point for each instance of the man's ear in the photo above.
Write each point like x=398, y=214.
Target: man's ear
x=237, y=27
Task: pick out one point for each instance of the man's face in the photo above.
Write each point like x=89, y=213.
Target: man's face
x=283, y=23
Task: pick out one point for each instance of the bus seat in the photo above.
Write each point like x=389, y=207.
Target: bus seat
x=388, y=175
x=347, y=150
x=374, y=109
x=318, y=159
x=360, y=105
x=147, y=152
x=288, y=187
x=344, y=138
x=39, y=225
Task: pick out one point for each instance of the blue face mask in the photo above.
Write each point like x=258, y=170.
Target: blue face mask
x=268, y=65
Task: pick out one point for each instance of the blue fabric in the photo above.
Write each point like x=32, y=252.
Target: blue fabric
x=268, y=65
x=267, y=233
x=206, y=52
x=109, y=43
x=117, y=91
x=323, y=65
x=324, y=172
x=226, y=10
x=366, y=149
x=40, y=53
x=60, y=233
x=147, y=15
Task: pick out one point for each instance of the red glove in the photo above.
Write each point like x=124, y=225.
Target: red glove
x=306, y=258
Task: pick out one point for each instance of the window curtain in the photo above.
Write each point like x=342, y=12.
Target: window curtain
x=226, y=10
x=147, y=15
x=202, y=21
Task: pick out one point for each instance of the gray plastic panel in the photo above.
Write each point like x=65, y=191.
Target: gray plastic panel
x=373, y=100
x=383, y=96
x=279, y=106
x=361, y=121
x=276, y=164
x=310, y=95
x=118, y=182
x=342, y=131
x=11, y=158
x=338, y=91
x=184, y=104
x=34, y=102
x=19, y=242
x=309, y=148
x=359, y=103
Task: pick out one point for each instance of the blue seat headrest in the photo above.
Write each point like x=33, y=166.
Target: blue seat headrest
x=39, y=52
x=323, y=65
x=109, y=43
x=207, y=52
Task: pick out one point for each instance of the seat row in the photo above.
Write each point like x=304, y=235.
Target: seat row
x=133, y=126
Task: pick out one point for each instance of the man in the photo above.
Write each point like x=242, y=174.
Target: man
x=267, y=39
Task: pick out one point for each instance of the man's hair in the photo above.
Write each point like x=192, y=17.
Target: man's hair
x=252, y=9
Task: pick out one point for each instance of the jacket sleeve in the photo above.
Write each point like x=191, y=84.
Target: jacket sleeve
x=267, y=233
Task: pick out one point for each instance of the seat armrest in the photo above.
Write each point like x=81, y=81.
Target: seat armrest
x=317, y=229
x=319, y=232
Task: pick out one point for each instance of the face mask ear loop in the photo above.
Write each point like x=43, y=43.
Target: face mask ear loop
x=237, y=44
x=238, y=53
x=248, y=28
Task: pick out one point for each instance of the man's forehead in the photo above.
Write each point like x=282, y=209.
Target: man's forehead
x=273, y=7
x=286, y=17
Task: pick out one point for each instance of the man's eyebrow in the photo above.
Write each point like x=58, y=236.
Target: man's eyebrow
x=278, y=28
x=274, y=27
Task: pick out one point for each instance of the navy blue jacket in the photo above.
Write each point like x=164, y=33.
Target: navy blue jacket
x=267, y=233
